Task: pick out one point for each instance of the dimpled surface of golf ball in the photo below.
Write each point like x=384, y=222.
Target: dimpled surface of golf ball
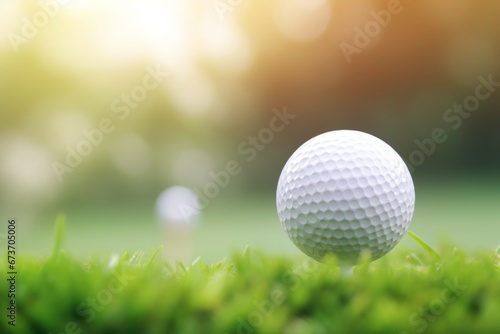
x=343, y=193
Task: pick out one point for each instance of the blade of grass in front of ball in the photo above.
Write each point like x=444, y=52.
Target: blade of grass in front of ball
x=153, y=257
x=60, y=228
x=425, y=246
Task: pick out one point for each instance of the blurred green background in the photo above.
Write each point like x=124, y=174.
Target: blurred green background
x=232, y=65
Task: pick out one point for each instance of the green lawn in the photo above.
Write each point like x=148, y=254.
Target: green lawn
x=254, y=292
x=268, y=288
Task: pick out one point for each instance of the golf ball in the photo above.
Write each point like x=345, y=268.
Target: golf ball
x=345, y=192
x=178, y=207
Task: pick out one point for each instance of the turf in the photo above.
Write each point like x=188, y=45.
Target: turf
x=254, y=292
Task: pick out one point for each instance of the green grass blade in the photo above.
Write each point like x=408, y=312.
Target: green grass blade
x=414, y=259
x=60, y=228
x=425, y=246
x=497, y=256
x=153, y=257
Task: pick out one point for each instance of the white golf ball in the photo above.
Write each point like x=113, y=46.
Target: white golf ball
x=345, y=192
x=178, y=207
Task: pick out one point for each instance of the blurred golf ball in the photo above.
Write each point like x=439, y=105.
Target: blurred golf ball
x=345, y=192
x=178, y=207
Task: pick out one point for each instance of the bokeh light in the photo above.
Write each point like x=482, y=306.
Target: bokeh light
x=302, y=20
x=26, y=169
x=132, y=156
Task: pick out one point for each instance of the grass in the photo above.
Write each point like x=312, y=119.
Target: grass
x=254, y=292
